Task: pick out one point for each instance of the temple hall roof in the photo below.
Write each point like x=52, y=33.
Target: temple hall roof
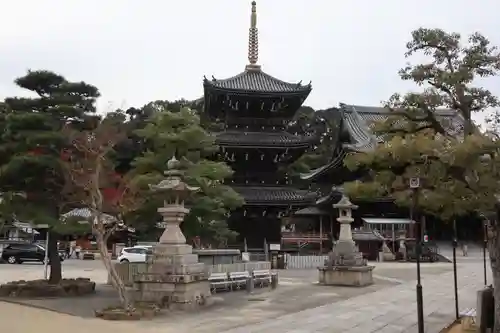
x=336, y=162
x=273, y=139
x=275, y=195
x=358, y=121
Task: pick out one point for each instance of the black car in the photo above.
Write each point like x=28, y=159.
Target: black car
x=18, y=252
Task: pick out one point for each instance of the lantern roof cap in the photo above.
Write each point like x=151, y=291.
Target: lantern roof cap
x=345, y=203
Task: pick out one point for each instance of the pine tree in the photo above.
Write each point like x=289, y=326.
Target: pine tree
x=32, y=144
x=179, y=134
x=458, y=168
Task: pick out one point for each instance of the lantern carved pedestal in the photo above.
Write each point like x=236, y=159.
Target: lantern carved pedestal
x=345, y=265
x=175, y=279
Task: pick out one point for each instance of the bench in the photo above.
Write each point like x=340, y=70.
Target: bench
x=238, y=280
x=88, y=256
x=468, y=319
x=262, y=277
x=218, y=281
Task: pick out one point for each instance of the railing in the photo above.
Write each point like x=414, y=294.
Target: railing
x=127, y=271
x=303, y=237
x=305, y=262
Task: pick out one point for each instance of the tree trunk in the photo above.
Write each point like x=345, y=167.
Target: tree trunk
x=116, y=280
x=54, y=259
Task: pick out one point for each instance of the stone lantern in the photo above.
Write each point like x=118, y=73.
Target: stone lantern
x=345, y=207
x=345, y=265
x=174, y=278
x=173, y=210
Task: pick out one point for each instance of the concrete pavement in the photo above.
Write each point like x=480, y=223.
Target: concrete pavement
x=392, y=310
x=22, y=319
x=389, y=310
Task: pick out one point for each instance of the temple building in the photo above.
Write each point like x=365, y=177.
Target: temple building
x=354, y=134
x=256, y=110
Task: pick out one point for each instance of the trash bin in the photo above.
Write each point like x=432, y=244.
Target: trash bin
x=485, y=309
x=281, y=261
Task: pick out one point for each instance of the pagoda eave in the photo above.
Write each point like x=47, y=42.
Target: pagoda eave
x=264, y=140
x=275, y=196
x=277, y=145
x=257, y=93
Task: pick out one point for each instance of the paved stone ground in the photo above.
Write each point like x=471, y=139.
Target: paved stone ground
x=298, y=305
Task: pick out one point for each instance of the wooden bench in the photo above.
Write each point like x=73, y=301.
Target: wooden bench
x=468, y=320
x=219, y=281
x=262, y=277
x=238, y=280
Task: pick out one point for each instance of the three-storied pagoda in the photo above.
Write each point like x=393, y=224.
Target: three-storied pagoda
x=256, y=109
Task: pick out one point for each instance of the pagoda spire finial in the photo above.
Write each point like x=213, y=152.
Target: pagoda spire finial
x=253, y=40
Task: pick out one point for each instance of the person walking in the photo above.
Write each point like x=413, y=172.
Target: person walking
x=78, y=249
x=464, y=250
x=72, y=246
x=67, y=250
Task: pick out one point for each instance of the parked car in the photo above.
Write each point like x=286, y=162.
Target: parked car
x=16, y=252
x=135, y=254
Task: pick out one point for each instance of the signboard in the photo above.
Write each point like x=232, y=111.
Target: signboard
x=274, y=247
x=245, y=256
x=426, y=238
x=414, y=182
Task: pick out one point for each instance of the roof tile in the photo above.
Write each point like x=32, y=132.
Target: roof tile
x=264, y=138
x=275, y=195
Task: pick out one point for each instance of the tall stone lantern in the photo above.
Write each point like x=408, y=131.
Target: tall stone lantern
x=175, y=279
x=345, y=265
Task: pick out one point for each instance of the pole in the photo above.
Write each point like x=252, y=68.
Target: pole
x=485, y=244
x=46, y=259
x=393, y=240
x=321, y=234
x=455, y=283
x=420, y=300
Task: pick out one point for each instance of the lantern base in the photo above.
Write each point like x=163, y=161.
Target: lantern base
x=346, y=276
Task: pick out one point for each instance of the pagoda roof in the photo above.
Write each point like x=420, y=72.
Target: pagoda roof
x=266, y=139
x=358, y=121
x=257, y=81
x=275, y=195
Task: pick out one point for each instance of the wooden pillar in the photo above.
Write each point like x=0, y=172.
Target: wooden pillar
x=424, y=227
x=321, y=234
x=331, y=225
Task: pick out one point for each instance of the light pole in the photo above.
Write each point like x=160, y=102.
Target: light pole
x=414, y=186
x=455, y=283
x=485, y=244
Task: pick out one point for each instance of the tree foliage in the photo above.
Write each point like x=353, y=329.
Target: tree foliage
x=456, y=163
x=178, y=133
x=89, y=169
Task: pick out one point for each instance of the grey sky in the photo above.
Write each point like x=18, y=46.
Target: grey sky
x=138, y=51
